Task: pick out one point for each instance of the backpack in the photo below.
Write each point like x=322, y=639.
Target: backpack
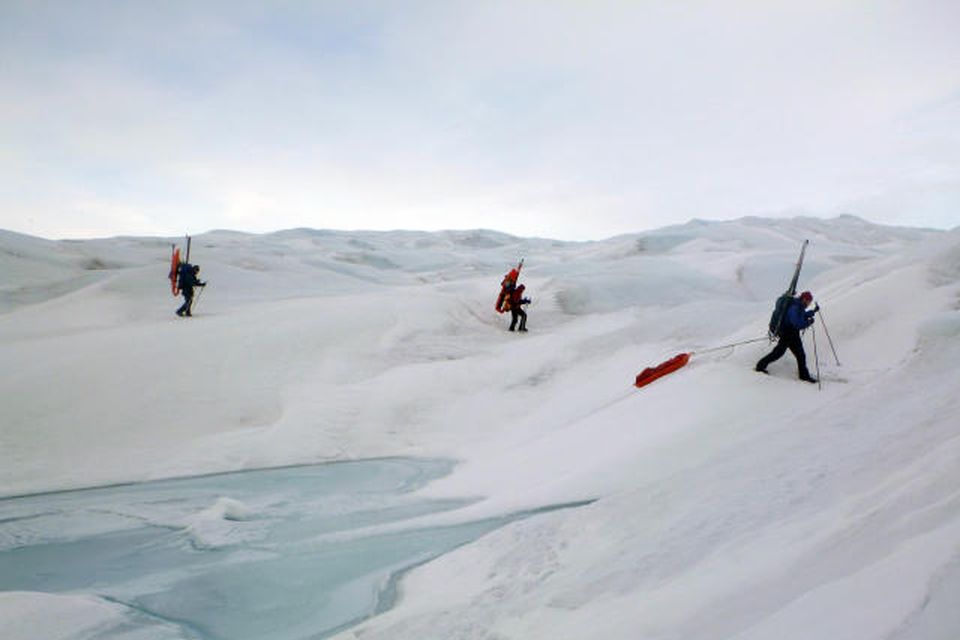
x=186, y=278
x=506, y=289
x=779, y=315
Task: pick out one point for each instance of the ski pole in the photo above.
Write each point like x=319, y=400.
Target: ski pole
x=816, y=358
x=825, y=330
x=196, y=300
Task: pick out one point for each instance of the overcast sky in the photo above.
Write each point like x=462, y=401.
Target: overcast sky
x=576, y=119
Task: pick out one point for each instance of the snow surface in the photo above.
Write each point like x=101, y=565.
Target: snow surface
x=728, y=504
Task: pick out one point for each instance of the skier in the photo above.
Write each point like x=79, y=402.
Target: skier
x=188, y=280
x=516, y=299
x=796, y=319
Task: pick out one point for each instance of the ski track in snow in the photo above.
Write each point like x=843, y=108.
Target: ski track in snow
x=728, y=504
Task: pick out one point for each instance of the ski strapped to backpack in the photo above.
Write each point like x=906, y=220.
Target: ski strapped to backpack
x=176, y=266
x=174, y=269
x=783, y=302
x=506, y=286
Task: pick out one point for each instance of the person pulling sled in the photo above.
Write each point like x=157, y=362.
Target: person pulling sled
x=795, y=319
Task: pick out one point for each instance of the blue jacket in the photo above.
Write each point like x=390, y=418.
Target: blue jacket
x=798, y=317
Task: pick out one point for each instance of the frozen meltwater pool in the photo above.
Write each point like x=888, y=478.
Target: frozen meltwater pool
x=296, y=552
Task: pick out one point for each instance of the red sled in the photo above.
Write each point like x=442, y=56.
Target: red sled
x=650, y=374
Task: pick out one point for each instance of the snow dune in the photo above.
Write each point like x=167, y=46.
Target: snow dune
x=728, y=504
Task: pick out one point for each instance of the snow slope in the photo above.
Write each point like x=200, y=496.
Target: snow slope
x=728, y=504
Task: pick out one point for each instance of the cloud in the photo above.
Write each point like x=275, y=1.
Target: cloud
x=531, y=116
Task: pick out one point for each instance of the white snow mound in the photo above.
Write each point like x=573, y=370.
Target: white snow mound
x=726, y=504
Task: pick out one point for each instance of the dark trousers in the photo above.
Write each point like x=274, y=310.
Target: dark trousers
x=516, y=313
x=788, y=340
x=184, y=309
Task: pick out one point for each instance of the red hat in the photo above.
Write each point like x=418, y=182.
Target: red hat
x=807, y=297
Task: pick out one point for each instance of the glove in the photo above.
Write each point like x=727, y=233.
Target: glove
x=816, y=308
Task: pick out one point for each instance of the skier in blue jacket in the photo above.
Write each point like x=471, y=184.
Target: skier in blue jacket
x=795, y=320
